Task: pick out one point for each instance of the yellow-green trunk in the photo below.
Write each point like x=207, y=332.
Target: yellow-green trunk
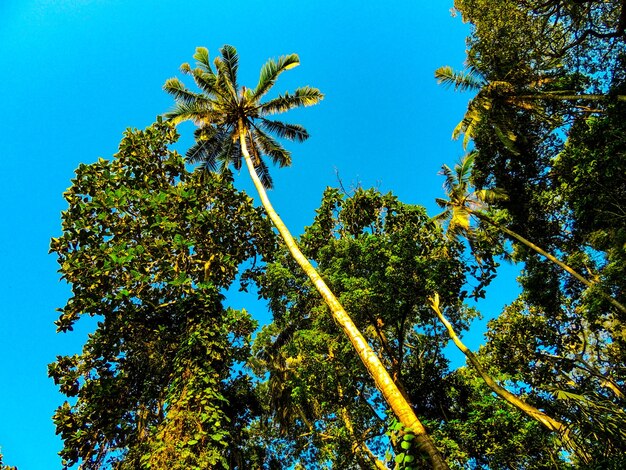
x=549, y=422
x=550, y=257
x=401, y=408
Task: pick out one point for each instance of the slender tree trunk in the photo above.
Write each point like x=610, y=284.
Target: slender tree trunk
x=552, y=258
x=359, y=447
x=534, y=413
x=565, y=97
x=384, y=383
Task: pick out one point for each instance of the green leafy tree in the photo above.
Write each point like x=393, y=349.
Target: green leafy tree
x=590, y=173
x=584, y=23
x=234, y=125
x=574, y=372
x=524, y=47
x=482, y=431
x=549, y=77
x=550, y=423
x=382, y=258
x=147, y=248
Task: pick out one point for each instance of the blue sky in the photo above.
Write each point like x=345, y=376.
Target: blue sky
x=76, y=73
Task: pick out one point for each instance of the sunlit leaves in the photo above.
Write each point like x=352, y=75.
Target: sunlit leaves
x=231, y=110
x=382, y=258
x=146, y=247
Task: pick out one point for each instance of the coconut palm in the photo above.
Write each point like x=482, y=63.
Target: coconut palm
x=233, y=125
x=492, y=95
x=462, y=204
x=486, y=103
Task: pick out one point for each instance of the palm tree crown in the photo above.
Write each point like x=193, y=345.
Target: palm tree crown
x=461, y=203
x=223, y=111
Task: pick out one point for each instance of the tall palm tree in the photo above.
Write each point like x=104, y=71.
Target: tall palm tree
x=462, y=204
x=491, y=95
x=234, y=124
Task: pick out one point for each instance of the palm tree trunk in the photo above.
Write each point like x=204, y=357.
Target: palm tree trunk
x=552, y=258
x=566, y=97
x=359, y=447
x=534, y=413
x=384, y=383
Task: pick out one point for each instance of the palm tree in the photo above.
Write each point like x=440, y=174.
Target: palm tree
x=491, y=95
x=234, y=124
x=462, y=204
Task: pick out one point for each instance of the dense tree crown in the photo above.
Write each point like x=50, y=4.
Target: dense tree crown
x=147, y=247
x=171, y=378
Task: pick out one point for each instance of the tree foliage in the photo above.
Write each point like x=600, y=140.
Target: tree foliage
x=147, y=248
x=170, y=377
x=384, y=259
x=561, y=164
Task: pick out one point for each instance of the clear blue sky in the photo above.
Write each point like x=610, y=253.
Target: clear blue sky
x=76, y=73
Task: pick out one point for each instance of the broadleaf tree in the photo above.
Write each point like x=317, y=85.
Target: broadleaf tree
x=383, y=258
x=564, y=337
x=147, y=248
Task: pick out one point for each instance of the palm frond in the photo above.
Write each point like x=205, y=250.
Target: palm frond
x=492, y=195
x=208, y=144
x=444, y=204
x=230, y=151
x=270, y=72
x=450, y=179
x=461, y=81
x=200, y=154
x=279, y=155
x=227, y=66
x=285, y=131
x=465, y=166
x=223, y=84
x=200, y=112
x=304, y=96
x=203, y=60
x=214, y=149
x=181, y=93
x=473, y=116
x=205, y=81
x=264, y=174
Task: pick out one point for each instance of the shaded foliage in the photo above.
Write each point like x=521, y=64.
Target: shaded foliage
x=146, y=247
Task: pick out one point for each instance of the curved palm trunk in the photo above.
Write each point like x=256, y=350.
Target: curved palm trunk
x=552, y=258
x=534, y=413
x=384, y=383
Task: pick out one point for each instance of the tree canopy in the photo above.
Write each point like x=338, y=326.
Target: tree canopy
x=365, y=302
